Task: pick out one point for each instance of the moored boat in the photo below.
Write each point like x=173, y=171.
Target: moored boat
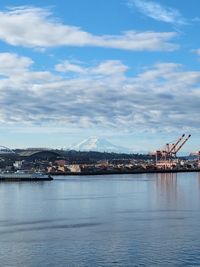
x=24, y=176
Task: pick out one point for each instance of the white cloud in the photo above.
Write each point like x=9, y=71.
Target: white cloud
x=106, y=68
x=110, y=67
x=158, y=12
x=67, y=66
x=12, y=63
x=161, y=97
x=35, y=28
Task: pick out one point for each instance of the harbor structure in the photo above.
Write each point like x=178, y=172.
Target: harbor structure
x=166, y=157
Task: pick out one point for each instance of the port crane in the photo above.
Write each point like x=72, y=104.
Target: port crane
x=182, y=144
x=172, y=148
x=166, y=155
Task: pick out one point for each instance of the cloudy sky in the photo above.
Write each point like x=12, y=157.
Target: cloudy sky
x=127, y=70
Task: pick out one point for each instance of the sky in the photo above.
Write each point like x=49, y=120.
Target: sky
x=125, y=70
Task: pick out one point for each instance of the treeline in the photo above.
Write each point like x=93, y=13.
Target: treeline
x=93, y=156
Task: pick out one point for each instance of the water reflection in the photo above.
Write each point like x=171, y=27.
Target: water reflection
x=198, y=177
x=175, y=190
x=166, y=186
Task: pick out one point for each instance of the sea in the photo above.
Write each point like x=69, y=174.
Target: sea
x=108, y=220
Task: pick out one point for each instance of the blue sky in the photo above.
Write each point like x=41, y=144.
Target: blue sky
x=127, y=70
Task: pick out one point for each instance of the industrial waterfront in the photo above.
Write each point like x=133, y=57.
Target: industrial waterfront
x=71, y=162
x=126, y=220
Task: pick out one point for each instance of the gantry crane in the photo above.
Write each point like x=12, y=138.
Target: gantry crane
x=167, y=155
x=182, y=144
x=172, y=148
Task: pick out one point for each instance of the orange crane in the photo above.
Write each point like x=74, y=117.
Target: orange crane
x=173, y=147
x=170, y=151
x=181, y=145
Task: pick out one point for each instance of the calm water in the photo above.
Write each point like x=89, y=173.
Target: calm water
x=121, y=220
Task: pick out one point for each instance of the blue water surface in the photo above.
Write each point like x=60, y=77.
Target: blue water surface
x=117, y=220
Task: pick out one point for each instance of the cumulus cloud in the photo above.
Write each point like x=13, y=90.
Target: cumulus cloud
x=106, y=68
x=110, y=67
x=158, y=12
x=36, y=28
x=12, y=63
x=67, y=66
x=164, y=96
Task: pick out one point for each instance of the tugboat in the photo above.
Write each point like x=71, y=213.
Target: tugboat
x=20, y=176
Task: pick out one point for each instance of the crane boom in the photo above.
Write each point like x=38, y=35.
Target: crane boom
x=175, y=145
x=181, y=145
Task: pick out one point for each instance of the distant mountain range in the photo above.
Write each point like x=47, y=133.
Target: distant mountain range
x=99, y=145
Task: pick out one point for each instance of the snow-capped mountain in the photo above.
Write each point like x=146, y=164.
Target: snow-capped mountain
x=99, y=145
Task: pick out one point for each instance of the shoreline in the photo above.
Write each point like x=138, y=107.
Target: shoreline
x=122, y=172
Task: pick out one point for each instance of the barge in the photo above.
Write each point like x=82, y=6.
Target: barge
x=22, y=176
